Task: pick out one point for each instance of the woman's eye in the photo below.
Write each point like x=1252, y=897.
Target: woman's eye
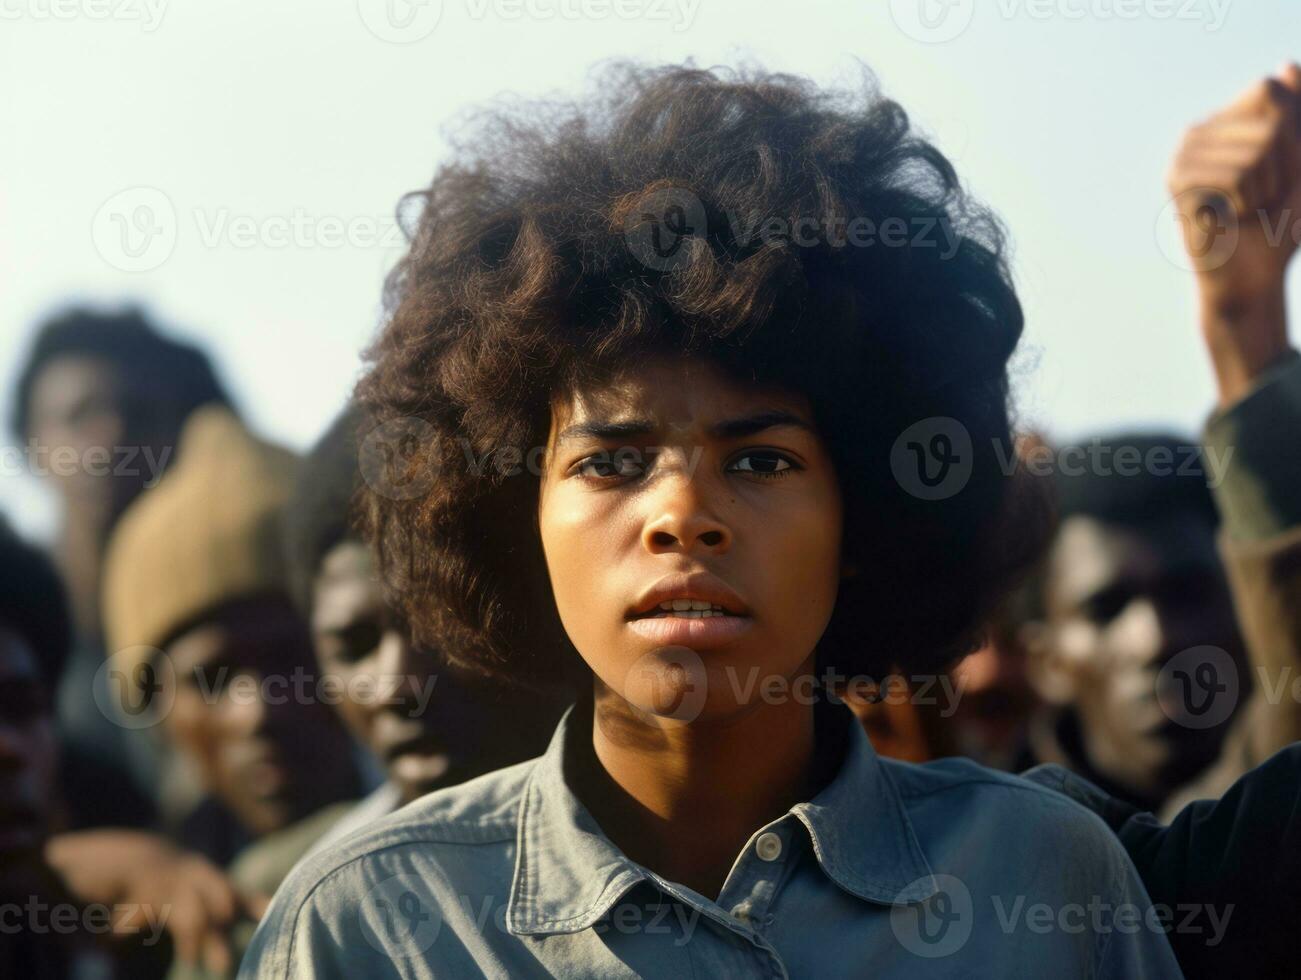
x=762, y=464
x=606, y=465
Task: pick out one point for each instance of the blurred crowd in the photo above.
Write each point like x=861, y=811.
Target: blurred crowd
x=202, y=681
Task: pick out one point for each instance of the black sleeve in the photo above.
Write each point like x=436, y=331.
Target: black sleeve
x=1228, y=871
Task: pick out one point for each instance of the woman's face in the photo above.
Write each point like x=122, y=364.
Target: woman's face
x=676, y=485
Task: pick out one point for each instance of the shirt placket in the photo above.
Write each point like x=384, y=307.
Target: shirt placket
x=742, y=909
x=750, y=889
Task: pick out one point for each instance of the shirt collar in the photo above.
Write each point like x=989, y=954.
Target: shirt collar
x=568, y=874
x=860, y=831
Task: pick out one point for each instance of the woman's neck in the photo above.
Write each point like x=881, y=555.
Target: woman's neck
x=683, y=800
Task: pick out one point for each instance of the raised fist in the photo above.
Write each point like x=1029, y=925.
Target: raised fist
x=1236, y=179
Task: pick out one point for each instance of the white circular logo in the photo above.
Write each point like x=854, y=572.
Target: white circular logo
x=939, y=925
x=400, y=21
x=659, y=230
x=1198, y=687
x=932, y=459
x=135, y=687
x=135, y=229
x=397, y=459
x=668, y=682
x=1197, y=230
x=932, y=21
x=399, y=916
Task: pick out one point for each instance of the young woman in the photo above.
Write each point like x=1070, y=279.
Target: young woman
x=711, y=380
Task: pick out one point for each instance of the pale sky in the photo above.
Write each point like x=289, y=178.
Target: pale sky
x=270, y=143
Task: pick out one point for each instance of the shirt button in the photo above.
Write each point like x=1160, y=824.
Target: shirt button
x=768, y=846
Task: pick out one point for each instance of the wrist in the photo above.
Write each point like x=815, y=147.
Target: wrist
x=1245, y=334
x=1234, y=297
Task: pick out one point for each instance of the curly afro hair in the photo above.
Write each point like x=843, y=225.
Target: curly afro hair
x=530, y=274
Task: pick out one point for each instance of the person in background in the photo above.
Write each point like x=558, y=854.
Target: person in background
x=34, y=639
x=981, y=706
x=1232, y=848
x=1237, y=181
x=1227, y=870
x=154, y=883
x=902, y=720
x=1131, y=581
x=430, y=725
x=994, y=700
x=99, y=402
x=206, y=639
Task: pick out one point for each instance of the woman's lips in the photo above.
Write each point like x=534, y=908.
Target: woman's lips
x=698, y=633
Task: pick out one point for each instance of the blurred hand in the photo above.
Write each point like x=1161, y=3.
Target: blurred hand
x=1243, y=165
x=1236, y=180
x=189, y=893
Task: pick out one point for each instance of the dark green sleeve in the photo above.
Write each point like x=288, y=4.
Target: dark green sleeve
x=1254, y=456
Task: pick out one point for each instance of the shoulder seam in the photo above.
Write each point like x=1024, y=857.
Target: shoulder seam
x=1043, y=792
x=410, y=836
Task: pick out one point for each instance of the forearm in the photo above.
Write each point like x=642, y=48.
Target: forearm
x=1245, y=335
x=1258, y=491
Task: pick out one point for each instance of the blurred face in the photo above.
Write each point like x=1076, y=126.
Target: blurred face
x=1120, y=604
x=77, y=405
x=388, y=684
x=691, y=527
x=894, y=723
x=98, y=441
x=996, y=702
x=271, y=754
x=28, y=752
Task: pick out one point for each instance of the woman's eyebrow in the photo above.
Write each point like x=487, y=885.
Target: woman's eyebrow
x=737, y=428
x=606, y=430
x=749, y=425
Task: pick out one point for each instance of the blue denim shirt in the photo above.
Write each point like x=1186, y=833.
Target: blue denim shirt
x=892, y=870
